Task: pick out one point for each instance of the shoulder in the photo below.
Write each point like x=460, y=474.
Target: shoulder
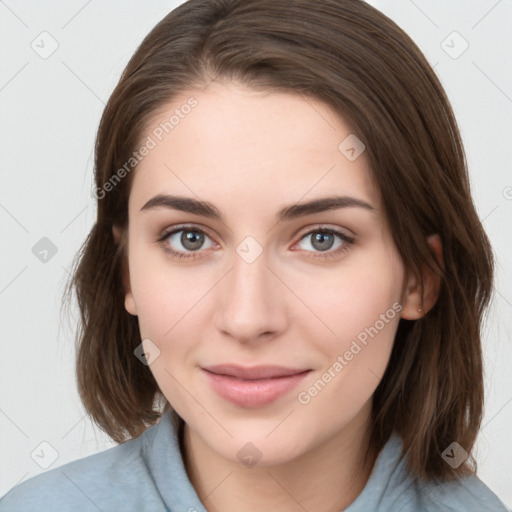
x=392, y=487
x=468, y=494
x=109, y=480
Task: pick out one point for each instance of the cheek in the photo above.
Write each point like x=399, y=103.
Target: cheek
x=351, y=298
x=342, y=301
x=352, y=371
x=360, y=311
x=166, y=295
x=170, y=304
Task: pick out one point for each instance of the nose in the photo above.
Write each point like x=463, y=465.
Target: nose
x=251, y=302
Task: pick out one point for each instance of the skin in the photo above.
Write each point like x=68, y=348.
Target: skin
x=251, y=153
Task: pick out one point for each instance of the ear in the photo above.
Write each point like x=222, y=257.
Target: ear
x=414, y=305
x=129, y=303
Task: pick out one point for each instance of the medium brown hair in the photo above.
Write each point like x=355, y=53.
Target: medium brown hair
x=361, y=64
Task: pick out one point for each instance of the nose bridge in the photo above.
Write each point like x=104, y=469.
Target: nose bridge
x=250, y=301
x=250, y=272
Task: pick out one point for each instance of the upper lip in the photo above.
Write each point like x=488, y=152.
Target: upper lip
x=253, y=372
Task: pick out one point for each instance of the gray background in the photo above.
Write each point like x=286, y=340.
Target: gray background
x=50, y=109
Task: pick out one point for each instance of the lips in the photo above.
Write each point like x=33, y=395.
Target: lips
x=253, y=387
x=254, y=372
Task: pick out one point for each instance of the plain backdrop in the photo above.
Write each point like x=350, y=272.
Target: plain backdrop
x=50, y=109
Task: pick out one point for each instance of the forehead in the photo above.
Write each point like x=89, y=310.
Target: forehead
x=255, y=149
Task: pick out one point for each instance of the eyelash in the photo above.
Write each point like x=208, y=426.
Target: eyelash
x=348, y=241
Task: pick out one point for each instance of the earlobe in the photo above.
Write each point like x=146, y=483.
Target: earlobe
x=415, y=305
x=116, y=233
x=129, y=302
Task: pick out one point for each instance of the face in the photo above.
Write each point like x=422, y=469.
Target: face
x=316, y=290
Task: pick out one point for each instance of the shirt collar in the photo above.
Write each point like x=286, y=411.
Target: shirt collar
x=165, y=462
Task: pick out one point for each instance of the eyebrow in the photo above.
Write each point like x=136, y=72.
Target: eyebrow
x=206, y=209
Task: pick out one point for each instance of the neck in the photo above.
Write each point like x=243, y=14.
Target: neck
x=326, y=478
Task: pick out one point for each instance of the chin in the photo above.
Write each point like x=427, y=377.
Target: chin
x=260, y=445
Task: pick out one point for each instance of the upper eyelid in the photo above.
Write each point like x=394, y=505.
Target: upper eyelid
x=190, y=227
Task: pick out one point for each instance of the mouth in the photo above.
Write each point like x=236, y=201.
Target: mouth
x=255, y=386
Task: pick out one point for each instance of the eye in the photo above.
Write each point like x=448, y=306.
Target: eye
x=323, y=239
x=191, y=240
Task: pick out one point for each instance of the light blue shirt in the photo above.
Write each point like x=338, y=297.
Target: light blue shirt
x=148, y=474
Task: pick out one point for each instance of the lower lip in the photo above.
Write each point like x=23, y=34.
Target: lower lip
x=253, y=393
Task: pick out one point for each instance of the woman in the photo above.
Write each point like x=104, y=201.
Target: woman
x=287, y=268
